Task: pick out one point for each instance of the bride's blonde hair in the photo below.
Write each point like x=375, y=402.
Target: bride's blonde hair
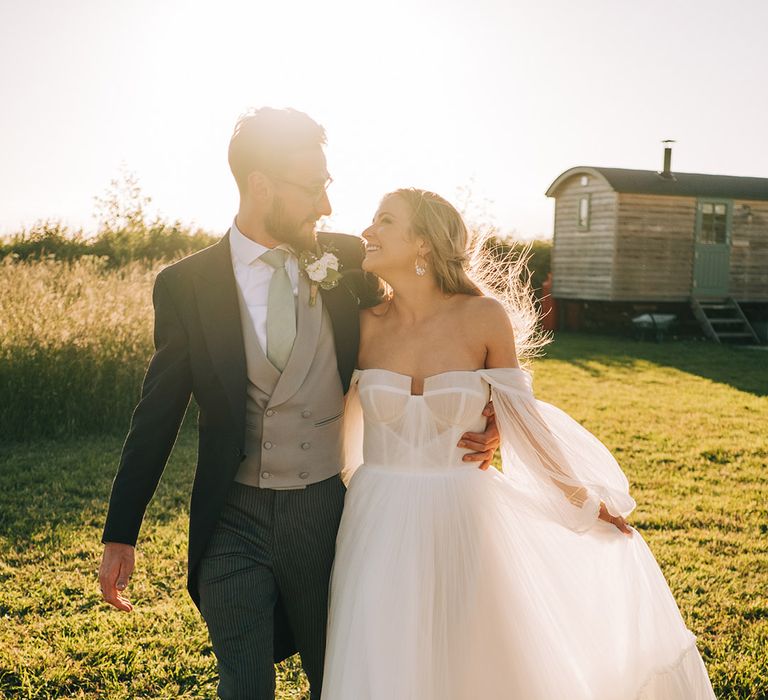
x=463, y=263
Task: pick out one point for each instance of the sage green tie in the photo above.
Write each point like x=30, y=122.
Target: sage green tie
x=281, y=310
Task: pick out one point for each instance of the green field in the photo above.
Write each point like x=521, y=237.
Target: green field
x=685, y=420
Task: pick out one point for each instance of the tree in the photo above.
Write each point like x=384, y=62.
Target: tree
x=123, y=206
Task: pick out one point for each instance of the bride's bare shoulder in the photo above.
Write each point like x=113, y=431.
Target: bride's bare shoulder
x=487, y=321
x=483, y=311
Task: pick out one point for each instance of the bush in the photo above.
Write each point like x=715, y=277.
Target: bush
x=539, y=252
x=158, y=241
x=46, y=239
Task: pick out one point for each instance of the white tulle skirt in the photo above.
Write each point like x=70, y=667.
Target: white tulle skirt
x=448, y=586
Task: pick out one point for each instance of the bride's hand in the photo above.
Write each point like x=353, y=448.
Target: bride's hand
x=484, y=444
x=616, y=520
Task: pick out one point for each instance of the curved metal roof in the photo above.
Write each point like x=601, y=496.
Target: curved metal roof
x=680, y=184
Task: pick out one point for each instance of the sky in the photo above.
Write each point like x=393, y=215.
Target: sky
x=498, y=96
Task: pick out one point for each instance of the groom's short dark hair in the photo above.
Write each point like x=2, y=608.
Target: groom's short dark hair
x=264, y=138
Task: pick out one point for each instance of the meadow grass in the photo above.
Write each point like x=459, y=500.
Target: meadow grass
x=75, y=338
x=686, y=420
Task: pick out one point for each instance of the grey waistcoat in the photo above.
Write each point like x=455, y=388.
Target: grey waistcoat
x=293, y=434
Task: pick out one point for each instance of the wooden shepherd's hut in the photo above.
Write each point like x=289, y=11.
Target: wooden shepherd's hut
x=657, y=240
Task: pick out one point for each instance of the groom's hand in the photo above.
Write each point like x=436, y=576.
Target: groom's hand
x=484, y=444
x=114, y=573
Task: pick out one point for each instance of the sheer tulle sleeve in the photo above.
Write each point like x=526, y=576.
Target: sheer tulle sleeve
x=564, y=469
x=352, y=431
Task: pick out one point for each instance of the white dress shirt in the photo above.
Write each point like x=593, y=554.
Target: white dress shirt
x=253, y=277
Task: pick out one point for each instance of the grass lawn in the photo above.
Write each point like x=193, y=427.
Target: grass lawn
x=687, y=422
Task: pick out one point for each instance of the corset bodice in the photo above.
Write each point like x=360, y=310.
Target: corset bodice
x=405, y=432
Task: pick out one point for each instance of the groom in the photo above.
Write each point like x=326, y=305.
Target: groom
x=241, y=326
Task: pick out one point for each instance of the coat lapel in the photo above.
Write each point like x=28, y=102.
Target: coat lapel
x=219, y=308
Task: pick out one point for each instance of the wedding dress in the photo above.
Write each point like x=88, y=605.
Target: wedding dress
x=452, y=583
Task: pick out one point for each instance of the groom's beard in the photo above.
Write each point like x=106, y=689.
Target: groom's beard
x=282, y=229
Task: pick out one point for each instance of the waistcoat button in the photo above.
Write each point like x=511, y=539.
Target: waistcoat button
x=305, y=445
x=303, y=475
x=267, y=445
x=306, y=414
x=265, y=475
x=270, y=412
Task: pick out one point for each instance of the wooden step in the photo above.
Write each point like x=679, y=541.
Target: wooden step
x=715, y=324
x=750, y=332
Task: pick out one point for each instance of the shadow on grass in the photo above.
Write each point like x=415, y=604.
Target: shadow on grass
x=741, y=368
x=48, y=488
x=48, y=485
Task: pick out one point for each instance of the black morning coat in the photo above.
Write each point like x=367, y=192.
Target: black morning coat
x=199, y=351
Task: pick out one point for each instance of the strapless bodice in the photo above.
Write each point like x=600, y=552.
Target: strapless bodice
x=420, y=433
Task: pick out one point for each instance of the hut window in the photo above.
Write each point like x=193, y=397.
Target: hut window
x=584, y=213
x=714, y=222
x=584, y=180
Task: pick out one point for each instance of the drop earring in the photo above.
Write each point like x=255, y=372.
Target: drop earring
x=420, y=266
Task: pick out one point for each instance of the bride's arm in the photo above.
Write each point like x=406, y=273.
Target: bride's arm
x=501, y=353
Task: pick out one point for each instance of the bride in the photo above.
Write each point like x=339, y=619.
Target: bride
x=454, y=583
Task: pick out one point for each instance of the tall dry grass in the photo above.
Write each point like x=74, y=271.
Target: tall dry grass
x=75, y=339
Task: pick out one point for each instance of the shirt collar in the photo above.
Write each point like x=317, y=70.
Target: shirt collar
x=246, y=250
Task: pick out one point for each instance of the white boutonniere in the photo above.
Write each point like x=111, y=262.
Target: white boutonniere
x=321, y=268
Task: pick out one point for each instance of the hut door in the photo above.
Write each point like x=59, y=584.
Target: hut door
x=712, y=250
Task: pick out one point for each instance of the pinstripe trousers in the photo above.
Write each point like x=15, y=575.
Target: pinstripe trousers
x=269, y=544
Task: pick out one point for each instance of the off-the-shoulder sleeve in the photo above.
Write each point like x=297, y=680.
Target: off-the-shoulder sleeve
x=564, y=469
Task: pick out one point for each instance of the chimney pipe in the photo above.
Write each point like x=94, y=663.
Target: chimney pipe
x=667, y=172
